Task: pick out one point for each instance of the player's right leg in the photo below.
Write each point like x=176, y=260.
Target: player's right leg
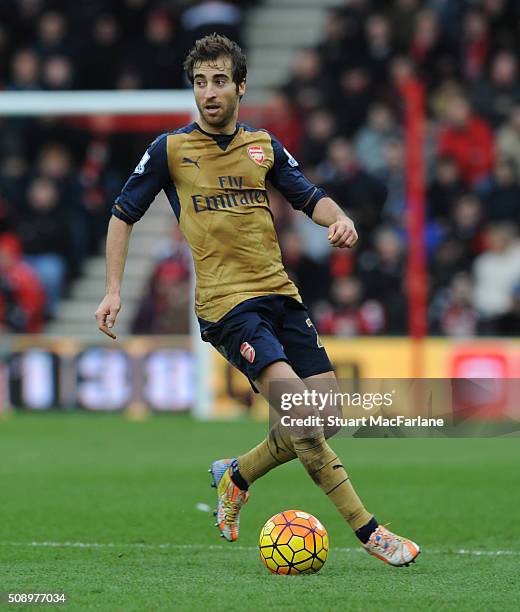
x=232, y=477
x=230, y=498
x=246, y=338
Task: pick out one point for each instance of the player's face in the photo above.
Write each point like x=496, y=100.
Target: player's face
x=216, y=95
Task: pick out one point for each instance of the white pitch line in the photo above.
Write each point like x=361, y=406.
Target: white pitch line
x=142, y=545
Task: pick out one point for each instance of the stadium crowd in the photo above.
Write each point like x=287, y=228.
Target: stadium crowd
x=340, y=113
x=346, y=94
x=58, y=179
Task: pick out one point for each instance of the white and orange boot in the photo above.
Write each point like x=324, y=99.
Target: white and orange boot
x=391, y=548
x=230, y=499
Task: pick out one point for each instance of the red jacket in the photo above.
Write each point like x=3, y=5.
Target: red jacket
x=23, y=282
x=29, y=294
x=472, y=147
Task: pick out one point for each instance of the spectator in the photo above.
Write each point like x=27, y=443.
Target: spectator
x=475, y=45
x=354, y=14
x=429, y=51
x=55, y=162
x=445, y=188
x=350, y=315
x=402, y=18
x=52, y=35
x=104, y=49
x=283, y=121
x=165, y=306
x=508, y=138
x=494, y=98
x=371, y=139
x=496, y=273
x=448, y=259
x=308, y=88
x=379, y=47
x=319, y=130
x=352, y=100
x=442, y=97
x=502, y=198
x=159, y=50
x=13, y=174
x=467, y=139
x=129, y=78
x=393, y=177
x=381, y=270
x=509, y=323
x=24, y=73
x=502, y=15
x=356, y=191
x=133, y=13
x=57, y=73
x=44, y=237
x=311, y=276
x=24, y=18
x=22, y=297
x=331, y=49
x=455, y=314
x=466, y=224
x=401, y=70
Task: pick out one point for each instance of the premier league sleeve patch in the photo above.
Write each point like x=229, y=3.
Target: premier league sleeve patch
x=290, y=159
x=140, y=168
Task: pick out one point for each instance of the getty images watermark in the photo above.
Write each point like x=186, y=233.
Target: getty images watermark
x=323, y=402
x=457, y=407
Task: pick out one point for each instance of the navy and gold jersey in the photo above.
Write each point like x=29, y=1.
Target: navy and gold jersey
x=216, y=186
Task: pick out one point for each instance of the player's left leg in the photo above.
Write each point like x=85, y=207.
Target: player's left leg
x=327, y=471
x=247, y=339
x=232, y=477
x=307, y=443
x=321, y=462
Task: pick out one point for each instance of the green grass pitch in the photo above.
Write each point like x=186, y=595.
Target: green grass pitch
x=104, y=509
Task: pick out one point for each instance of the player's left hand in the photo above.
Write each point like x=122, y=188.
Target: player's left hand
x=342, y=234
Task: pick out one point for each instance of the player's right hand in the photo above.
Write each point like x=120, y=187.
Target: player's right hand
x=107, y=312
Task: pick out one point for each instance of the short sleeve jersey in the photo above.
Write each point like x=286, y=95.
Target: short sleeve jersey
x=216, y=186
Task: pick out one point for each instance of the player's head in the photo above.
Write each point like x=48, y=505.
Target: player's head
x=216, y=66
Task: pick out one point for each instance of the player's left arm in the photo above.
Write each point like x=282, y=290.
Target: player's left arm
x=342, y=232
x=288, y=179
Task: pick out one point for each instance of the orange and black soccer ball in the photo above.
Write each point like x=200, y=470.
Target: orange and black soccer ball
x=293, y=542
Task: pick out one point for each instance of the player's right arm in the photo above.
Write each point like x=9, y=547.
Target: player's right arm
x=118, y=237
x=149, y=177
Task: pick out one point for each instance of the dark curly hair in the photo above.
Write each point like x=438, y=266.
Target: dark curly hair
x=212, y=47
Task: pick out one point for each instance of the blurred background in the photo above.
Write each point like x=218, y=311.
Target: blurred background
x=432, y=289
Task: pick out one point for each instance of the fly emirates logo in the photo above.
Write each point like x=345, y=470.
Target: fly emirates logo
x=232, y=195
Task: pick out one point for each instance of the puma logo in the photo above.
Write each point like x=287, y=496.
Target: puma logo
x=195, y=162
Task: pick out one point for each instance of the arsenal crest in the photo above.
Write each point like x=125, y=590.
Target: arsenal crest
x=256, y=154
x=247, y=352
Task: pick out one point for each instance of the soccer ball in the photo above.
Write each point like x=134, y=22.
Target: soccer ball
x=293, y=542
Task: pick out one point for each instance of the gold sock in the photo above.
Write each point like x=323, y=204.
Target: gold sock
x=275, y=450
x=324, y=467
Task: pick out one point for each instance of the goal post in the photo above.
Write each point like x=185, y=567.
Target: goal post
x=116, y=103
